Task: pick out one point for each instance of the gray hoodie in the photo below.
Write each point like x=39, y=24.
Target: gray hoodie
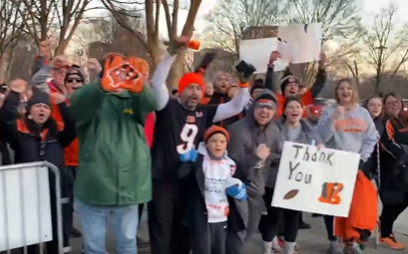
x=245, y=137
x=41, y=76
x=307, y=135
x=353, y=132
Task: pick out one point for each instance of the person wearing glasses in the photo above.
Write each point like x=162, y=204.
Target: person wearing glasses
x=73, y=79
x=392, y=106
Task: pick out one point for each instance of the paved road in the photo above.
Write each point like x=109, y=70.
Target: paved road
x=312, y=241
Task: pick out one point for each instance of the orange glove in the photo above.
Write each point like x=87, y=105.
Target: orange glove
x=112, y=68
x=138, y=73
x=124, y=73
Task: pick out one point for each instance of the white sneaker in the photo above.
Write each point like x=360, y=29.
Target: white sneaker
x=276, y=246
x=335, y=248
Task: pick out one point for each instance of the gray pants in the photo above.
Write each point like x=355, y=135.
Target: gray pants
x=235, y=243
x=212, y=241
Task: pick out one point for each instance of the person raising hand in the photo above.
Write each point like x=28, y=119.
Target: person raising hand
x=290, y=84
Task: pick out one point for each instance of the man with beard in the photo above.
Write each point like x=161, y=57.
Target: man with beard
x=290, y=84
x=255, y=144
x=221, y=86
x=92, y=69
x=180, y=126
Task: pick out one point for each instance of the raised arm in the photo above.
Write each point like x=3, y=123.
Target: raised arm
x=269, y=78
x=39, y=79
x=325, y=126
x=8, y=115
x=159, y=81
x=39, y=62
x=371, y=138
x=42, y=69
x=68, y=134
x=319, y=83
x=234, y=106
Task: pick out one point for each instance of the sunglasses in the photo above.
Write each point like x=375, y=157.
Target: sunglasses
x=71, y=80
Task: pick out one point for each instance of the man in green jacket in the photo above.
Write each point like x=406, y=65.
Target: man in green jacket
x=114, y=169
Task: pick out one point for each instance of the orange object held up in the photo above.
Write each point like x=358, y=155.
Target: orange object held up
x=125, y=73
x=193, y=44
x=363, y=213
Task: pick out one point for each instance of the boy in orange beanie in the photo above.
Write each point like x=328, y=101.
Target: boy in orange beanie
x=214, y=187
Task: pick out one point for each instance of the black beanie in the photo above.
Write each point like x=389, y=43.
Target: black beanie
x=258, y=84
x=38, y=97
x=288, y=80
x=74, y=70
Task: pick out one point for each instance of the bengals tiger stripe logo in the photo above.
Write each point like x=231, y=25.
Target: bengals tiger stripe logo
x=330, y=193
x=126, y=73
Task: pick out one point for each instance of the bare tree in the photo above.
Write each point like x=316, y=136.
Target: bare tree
x=386, y=45
x=11, y=25
x=105, y=35
x=49, y=16
x=341, y=24
x=150, y=10
x=19, y=64
x=229, y=21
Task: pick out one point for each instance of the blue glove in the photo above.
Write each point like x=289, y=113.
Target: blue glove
x=189, y=156
x=237, y=191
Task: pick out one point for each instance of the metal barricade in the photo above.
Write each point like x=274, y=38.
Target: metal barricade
x=34, y=198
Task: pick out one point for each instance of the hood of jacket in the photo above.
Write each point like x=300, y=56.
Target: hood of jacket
x=249, y=116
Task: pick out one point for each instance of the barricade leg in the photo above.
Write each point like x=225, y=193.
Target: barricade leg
x=24, y=195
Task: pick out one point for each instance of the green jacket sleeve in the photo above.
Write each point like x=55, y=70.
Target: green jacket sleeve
x=86, y=101
x=144, y=102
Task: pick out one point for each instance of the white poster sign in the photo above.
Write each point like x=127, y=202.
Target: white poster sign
x=25, y=213
x=300, y=43
x=316, y=181
x=257, y=53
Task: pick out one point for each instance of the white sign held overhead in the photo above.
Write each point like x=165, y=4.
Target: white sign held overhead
x=257, y=53
x=316, y=181
x=300, y=43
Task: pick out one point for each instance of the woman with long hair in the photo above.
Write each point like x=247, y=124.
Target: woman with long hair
x=374, y=106
x=394, y=174
x=349, y=127
x=392, y=106
x=293, y=128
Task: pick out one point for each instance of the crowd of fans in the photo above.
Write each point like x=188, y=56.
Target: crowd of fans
x=121, y=140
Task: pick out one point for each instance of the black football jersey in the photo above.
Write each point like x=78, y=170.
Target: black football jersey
x=176, y=131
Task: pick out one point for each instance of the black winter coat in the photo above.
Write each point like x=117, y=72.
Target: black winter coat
x=372, y=163
x=394, y=162
x=32, y=143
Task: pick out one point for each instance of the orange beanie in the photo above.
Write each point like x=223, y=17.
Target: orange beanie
x=196, y=77
x=214, y=129
x=191, y=78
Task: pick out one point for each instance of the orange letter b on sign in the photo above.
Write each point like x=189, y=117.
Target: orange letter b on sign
x=330, y=193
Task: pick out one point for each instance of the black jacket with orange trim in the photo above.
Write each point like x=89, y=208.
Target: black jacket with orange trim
x=394, y=154
x=32, y=143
